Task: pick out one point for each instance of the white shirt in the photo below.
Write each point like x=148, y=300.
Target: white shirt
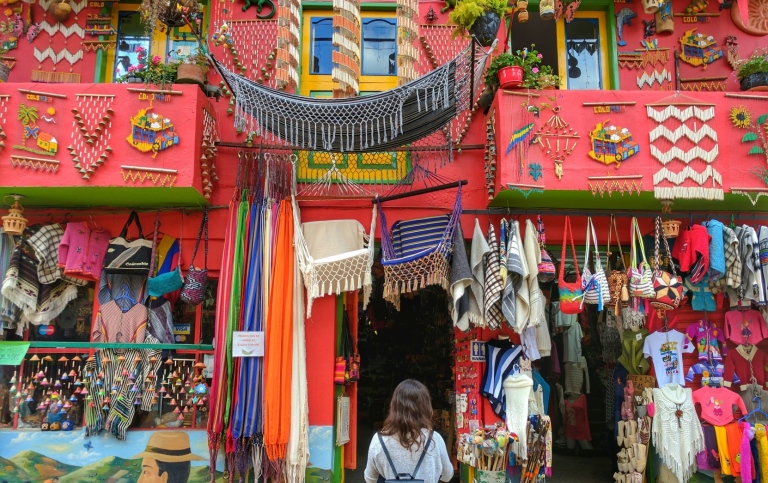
x=436, y=465
x=666, y=349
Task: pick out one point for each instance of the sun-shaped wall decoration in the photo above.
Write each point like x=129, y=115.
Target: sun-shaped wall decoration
x=741, y=117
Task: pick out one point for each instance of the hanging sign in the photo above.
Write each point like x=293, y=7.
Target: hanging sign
x=247, y=344
x=478, y=351
x=12, y=353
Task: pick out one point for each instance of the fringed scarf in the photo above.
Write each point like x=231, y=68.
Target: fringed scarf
x=477, y=255
x=220, y=382
x=493, y=283
x=298, y=441
x=8, y=311
x=246, y=413
x=516, y=271
x=279, y=346
x=461, y=279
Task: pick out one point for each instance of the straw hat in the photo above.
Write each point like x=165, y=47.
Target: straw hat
x=169, y=447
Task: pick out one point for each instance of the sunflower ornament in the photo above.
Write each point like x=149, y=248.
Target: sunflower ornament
x=741, y=117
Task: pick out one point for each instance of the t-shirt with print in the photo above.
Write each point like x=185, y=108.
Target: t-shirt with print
x=717, y=404
x=745, y=327
x=666, y=351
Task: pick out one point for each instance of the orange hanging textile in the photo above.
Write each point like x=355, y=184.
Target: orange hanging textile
x=279, y=344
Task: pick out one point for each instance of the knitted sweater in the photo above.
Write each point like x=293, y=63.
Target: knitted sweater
x=82, y=250
x=692, y=249
x=716, y=250
x=717, y=404
x=737, y=366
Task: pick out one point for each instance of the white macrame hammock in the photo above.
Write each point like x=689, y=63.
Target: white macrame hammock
x=334, y=256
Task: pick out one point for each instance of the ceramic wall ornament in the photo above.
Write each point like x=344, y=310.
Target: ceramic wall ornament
x=208, y=158
x=558, y=139
x=602, y=185
x=699, y=49
x=665, y=21
x=152, y=132
x=90, y=141
x=97, y=24
x=611, y=144
x=682, y=118
x=756, y=130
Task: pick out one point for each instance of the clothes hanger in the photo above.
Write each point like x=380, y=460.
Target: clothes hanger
x=757, y=410
x=125, y=295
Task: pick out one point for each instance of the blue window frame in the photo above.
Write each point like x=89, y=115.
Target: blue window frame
x=379, y=46
x=582, y=43
x=321, y=45
x=130, y=36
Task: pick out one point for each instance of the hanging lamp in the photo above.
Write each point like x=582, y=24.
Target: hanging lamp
x=14, y=222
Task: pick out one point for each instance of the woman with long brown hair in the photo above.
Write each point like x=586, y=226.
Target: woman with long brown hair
x=406, y=436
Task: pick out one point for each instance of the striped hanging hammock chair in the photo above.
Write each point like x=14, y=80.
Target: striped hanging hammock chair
x=417, y=253
x=334, y=256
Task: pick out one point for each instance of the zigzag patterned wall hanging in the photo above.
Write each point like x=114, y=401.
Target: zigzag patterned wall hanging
x=670, y=109
x=90, y=137
x=67, y=32
x=57, y=57
x=656, y=76
x=139, y=174
x=35, y=164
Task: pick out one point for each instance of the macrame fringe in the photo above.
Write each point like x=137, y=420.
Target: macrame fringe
x=257, y=455
x=214, y=443
x=681, y=115
x=665, y=453
x=54, y=308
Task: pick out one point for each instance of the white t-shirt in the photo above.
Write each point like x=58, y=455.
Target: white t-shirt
x=666, y=349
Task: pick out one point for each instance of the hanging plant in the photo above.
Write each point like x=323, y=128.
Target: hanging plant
x=170, y=13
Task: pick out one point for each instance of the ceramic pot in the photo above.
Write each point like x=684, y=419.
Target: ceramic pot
x=190, y=74
x=511, y=77
x=485, y=28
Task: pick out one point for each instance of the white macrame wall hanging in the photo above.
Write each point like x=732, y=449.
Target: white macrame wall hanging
x=686, y=146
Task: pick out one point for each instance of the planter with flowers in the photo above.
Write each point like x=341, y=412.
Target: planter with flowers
x=521, y=69
x=171, y=13
x=752, y=72
x=193, y=69
x=150, y=71
x=481, y=18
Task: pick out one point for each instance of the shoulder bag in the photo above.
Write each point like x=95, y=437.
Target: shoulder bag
x=571, y=293
x=347, y=368
x=595, y=285
x=411, y=478
x=128, y=257
x=617, y=279
x=164, y=283
x=547, y=266
x=640, y=277
x=193, y=291
x=667, y=286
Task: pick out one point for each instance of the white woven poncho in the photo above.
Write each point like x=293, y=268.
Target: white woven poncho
x=677, y=440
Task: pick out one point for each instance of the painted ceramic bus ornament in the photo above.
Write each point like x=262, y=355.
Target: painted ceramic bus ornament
x=611, y=144
x=699, y=49
x=152, y=132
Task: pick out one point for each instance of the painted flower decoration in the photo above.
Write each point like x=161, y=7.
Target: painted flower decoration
x=740, y=117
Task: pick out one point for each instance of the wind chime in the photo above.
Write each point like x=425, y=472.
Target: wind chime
x=490, y=154
x=208, y=158
x=558, y=139
x=90, y=146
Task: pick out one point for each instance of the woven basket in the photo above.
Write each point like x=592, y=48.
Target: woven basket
x=671, y=228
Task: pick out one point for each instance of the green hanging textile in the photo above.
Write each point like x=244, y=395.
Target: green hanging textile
x=238, y=263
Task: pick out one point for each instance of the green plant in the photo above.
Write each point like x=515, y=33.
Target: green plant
x=172, y=13
x=754, y=64
x=465, y=13
x=199, y=59
x=535, y=75
x=151, y=71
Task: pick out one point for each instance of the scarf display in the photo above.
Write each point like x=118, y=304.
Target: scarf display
x=279, y=346
x=8, y=310
x=478, y=252
x=515, y=275
x=503, y=229
x=533, y=259
x=461, y=279
x=493, y=283
x=677, y=433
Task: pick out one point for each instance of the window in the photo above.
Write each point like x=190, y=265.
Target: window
x=132, y=44
x=574, y=50
x=321, y=45
x=379, y=46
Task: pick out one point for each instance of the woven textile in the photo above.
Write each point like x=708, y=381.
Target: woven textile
x=493, y=283
x=8, y=311
x=461, y=278
x=421, y=258
x=677, y=433
x=334, y=256
x=46, y=245
x=362, y=124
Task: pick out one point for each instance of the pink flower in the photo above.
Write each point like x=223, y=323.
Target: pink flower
x=139, y=48
x=535, y=70
x=131, y=69
x=539, y=56
x=156, y=59
x=140, y=66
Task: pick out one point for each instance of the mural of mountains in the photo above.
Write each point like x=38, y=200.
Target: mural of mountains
x=31, y=467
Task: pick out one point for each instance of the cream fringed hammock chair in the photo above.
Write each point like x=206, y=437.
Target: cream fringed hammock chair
x=417, y=253
x=334, y=256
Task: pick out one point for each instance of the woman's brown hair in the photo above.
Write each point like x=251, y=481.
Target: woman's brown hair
x=410, y=410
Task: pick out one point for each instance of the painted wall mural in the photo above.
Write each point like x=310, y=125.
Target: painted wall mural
x=35, y=456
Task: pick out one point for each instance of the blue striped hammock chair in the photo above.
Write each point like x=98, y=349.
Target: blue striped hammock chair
x=417, y=253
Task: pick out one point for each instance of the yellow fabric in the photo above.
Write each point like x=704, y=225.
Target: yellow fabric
x=722, y=448
x=762, y=450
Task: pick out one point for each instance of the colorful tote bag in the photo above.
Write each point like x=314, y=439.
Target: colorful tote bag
x=595, y=285
x=571, y=293
x=640, y=277
x=546, y=268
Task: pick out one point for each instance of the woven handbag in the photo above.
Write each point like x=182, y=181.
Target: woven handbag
x=640, y=277
x=595, y=285
x=159, y=285
x=617, y=279
x=667, y=286
x=347, y=367
x=193, y=291
x=571, y=293
x=546, y=268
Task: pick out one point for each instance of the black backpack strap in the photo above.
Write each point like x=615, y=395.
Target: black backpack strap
x=426, y=446
x=386, y=453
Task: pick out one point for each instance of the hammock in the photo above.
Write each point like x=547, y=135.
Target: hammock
x=372, y=123
x=417, y=253
x=334, y=256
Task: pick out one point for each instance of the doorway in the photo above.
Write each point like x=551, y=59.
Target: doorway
x=416, y=342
